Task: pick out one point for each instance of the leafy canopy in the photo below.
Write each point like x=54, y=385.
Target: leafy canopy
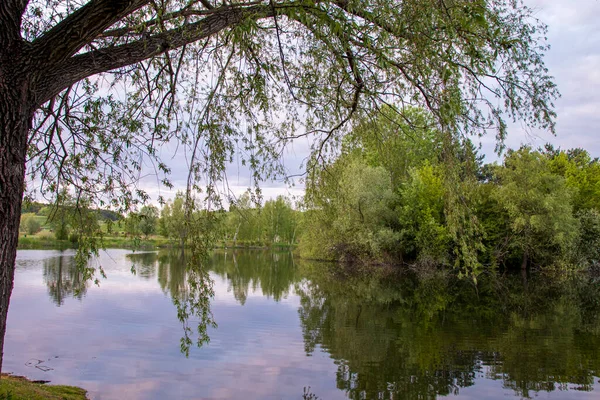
x=118, y=80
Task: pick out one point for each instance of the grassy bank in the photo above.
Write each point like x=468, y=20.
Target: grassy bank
x=46, y=240
x=20, y=388
x=252, y=244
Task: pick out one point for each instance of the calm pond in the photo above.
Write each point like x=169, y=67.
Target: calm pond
x=284, y=325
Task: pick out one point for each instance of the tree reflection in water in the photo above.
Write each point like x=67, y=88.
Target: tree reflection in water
x=414, y=338
x=190, y=287
x=143, y=264
x=273, y=272
x=63, y=279
x=395, y=335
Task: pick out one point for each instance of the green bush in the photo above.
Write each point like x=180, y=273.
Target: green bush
x=30, y=224
x=74, y=238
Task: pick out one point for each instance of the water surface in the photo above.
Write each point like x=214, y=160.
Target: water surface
x=284, y=326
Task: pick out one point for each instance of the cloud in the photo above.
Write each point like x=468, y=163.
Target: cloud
x=574, y=60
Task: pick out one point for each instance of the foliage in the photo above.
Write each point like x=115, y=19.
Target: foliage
x=273, y=223
x=91, y=110
x=148, y=217
x=30, y=224
x=539, y=208
x=279, y=70
x=588, y=245
x=386, y=198
x=391, y=334
x=293, y=54
x=421, y=215
x=356, y=224
x=581, y=173
x=174, y=220
x=278, y=221
x=143, y=222
x=402, y=191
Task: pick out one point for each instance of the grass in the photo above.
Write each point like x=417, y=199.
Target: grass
x=20, y=388
x=41, y=242
x=46, y=240
x=38, y=241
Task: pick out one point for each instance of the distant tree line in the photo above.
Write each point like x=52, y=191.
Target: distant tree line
x=69, y=218
x=246, y=223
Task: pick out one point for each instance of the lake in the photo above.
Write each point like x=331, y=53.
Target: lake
x=288, y=329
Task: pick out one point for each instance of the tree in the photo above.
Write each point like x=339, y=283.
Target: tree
x=148, y=216
x=132, y=224
x=88, y=89
x=174, y=220
x=163, y=222
x=539, y=207
x=241, y=223
x=30, y=224
x=422, y=215
x=278, y=221
x=399, y=142
x=352, y=211
x=581, y=173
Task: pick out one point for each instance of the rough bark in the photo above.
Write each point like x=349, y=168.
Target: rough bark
x=15, y=120
x=16, y=113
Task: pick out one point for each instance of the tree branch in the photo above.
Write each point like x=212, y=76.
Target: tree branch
x=369, y=17
x=102, y=60
x=81, y=27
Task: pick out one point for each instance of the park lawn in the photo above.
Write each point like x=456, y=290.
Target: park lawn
x=20, y=388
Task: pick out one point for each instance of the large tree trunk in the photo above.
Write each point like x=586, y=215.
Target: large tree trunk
x=15, y=121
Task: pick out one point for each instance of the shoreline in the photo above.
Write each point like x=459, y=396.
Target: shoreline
x=16, y=387
x=33, y=243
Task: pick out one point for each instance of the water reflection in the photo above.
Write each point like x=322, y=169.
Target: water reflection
x=63, y=279
x=144, y=264
x=426, y=338
x=402, y=337
x=190, y=288
x=273, y=273
x=388, y=336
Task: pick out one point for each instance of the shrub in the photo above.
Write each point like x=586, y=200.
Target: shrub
x=45, y=235
x=30, y=224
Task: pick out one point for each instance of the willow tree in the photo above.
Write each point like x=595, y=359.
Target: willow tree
x=91, y=91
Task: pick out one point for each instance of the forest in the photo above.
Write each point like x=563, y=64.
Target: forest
x=400, y=192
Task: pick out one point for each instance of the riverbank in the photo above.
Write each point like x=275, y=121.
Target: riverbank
x=21, y=388
x=47, y=242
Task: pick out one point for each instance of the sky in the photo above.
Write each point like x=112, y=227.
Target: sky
x=573, y=59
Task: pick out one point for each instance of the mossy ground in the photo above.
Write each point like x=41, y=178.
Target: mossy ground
x=20, y=388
